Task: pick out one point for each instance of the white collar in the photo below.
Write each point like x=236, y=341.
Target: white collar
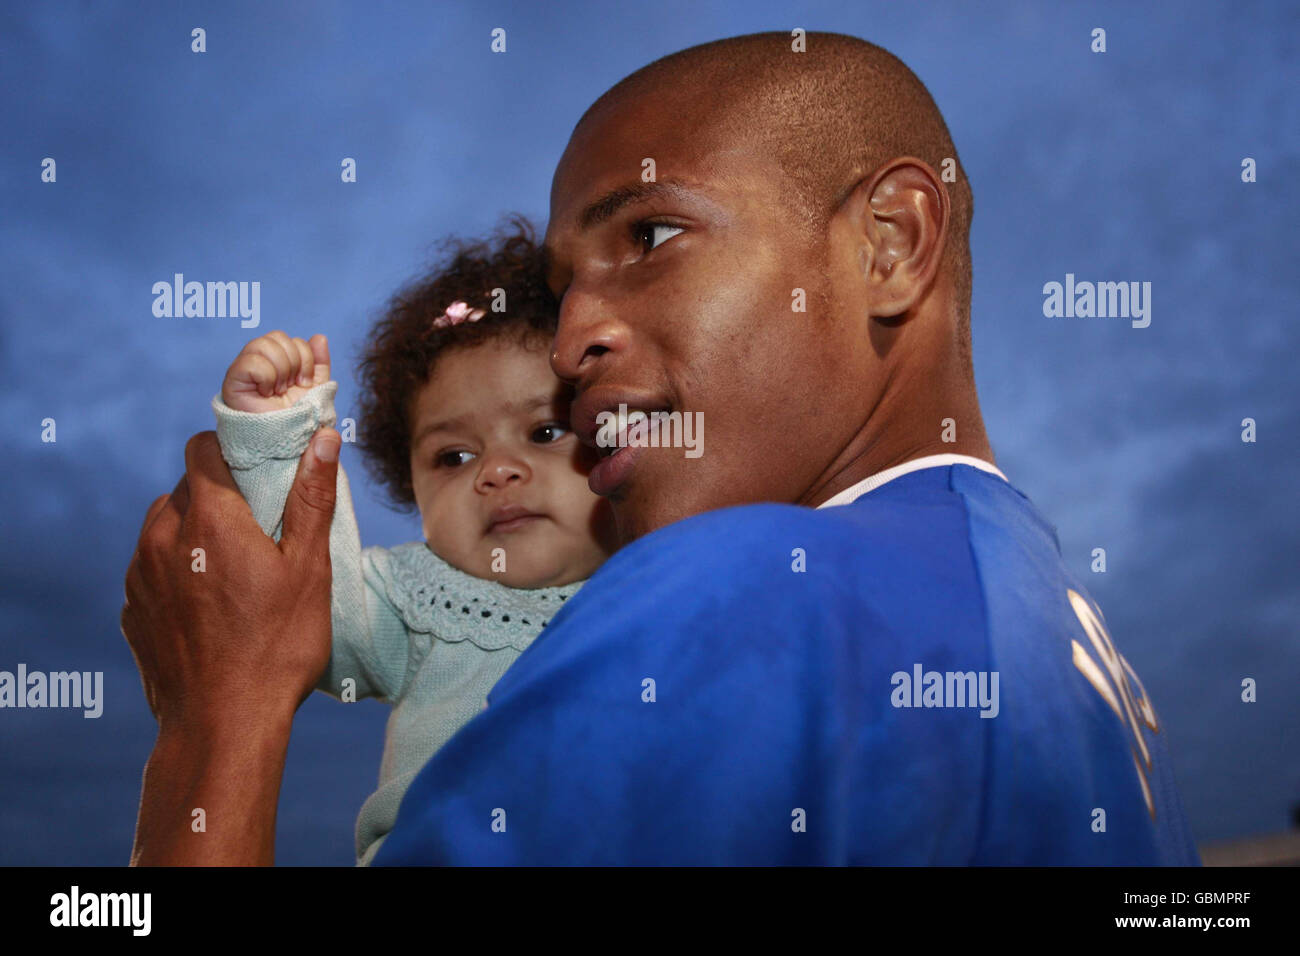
x=852, y=493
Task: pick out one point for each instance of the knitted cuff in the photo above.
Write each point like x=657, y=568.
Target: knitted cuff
x=250, y=438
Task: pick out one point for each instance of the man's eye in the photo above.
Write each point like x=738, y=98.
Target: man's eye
x=452, y=459
x=550, y=432
x=653, y=234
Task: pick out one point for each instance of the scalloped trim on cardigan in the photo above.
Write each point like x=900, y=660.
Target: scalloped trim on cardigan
x=435, y=598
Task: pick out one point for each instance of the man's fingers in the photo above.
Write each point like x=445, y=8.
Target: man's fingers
x=209, y=475
x=310, y=508
x=129, y=625
x=158, y=504
x=180, y=497
x=166, y=511
x=133, y=584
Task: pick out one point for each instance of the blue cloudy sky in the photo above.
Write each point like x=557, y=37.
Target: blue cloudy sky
x=1121, y=166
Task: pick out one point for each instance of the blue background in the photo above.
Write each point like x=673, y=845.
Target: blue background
x=225, y=166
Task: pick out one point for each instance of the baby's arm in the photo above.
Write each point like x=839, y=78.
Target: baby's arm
x=276, y=395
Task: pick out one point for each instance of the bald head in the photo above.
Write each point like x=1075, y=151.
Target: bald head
x=795, y=273
x=827, y=117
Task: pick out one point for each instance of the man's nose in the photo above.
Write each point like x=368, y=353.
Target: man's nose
x=587, y=330
x=500, y=469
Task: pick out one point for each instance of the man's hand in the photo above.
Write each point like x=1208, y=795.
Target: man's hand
x=229, y=643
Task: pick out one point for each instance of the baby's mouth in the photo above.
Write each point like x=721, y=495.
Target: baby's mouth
x=512, y=518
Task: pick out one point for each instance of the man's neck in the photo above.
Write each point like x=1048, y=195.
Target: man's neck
x=876, y=450
x=924, y=403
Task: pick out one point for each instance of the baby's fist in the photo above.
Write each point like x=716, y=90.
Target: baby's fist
x=274, y=371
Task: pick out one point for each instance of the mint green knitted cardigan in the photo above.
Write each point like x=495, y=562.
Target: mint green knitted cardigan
x=408, y=628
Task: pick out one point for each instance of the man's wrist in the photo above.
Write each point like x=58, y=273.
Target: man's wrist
x=210, y=792
x=234, y=727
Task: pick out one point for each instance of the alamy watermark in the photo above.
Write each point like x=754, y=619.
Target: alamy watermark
x=640, y=429
x=923, y=688
x=211, y=300
x=56, y=689
x=1103, y=300
x=75, y=908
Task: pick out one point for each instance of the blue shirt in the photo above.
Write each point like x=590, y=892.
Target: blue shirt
x=913, y=678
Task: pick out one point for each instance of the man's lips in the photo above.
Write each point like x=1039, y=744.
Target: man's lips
x=511, y=518
x=585, y=413
x=612, y=471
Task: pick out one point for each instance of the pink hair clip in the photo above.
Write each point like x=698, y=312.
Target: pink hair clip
x=456, y=313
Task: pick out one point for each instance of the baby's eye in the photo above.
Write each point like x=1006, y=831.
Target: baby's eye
x=652, y=234
x=550, y=432
x=452, y=459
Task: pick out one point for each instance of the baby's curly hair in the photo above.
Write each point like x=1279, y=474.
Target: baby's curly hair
x=403, y=346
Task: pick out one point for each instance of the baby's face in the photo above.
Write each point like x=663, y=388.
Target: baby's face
x=495, y=466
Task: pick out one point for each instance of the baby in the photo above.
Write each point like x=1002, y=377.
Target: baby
x=460, y=416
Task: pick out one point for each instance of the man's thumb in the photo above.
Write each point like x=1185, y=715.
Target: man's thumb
x=310, y=507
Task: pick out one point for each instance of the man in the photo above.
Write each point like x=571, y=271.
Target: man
x=888, y=663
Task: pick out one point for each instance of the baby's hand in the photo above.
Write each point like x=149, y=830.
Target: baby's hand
x=274, y=371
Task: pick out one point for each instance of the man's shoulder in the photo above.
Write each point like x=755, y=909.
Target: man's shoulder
x=878, y=562
x=894, y=531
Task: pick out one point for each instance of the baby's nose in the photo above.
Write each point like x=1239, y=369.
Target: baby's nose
x=501, y=470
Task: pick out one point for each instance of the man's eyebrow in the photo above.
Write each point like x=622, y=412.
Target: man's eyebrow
x=604, y=208
x=510, y=408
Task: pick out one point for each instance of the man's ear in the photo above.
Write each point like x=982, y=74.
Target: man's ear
x=897, y=219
